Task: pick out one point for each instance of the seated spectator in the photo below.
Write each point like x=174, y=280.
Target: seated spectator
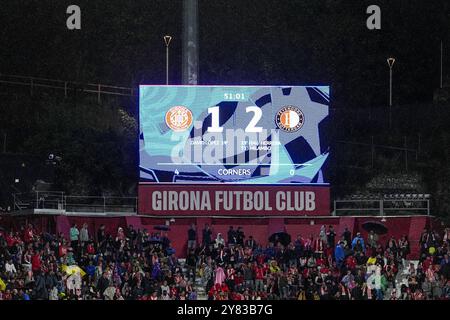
x=119, y=267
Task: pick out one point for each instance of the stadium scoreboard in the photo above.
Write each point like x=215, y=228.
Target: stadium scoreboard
x=231, y=136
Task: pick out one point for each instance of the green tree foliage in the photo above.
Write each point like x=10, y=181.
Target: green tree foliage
x=97, y=142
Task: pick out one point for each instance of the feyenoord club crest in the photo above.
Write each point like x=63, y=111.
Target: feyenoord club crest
x=289, y=119
x=179, y=118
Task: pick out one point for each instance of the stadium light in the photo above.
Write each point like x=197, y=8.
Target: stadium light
x=167, y=40
x=390, y=62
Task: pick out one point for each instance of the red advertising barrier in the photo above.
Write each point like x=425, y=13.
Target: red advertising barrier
x=233, y=200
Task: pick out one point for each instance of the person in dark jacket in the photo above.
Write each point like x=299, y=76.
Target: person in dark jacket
x=207, y=235
x=51, y=280
x=192, y=237
x=147, y=284
x=347, y=235
x=232, y=238
x=251, y=243
x=102, y=284
x=191, y=262
x=331, y=235
x=101, y=235
x=357, y=293
x=240, y=236
x=40, y=291
x=137, y=291
x=291, y=256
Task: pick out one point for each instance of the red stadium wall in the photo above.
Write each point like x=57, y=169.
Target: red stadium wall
x=259, y=228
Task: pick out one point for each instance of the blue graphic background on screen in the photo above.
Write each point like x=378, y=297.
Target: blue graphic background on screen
x=180, y=157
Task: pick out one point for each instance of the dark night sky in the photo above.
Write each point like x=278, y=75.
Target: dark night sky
x=241, y=42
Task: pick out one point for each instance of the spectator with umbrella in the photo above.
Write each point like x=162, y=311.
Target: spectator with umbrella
x=280, y=237
x=372, y=239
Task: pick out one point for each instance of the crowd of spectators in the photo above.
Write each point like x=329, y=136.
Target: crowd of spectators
x=326, y=266
x=128, y=265
x=137, y=265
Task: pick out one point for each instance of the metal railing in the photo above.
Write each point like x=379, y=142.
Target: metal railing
x=381, y=207
x=100, y=204
x=57, y=200
x=67, y=86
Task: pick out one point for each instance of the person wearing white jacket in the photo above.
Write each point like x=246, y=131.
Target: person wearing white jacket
x=374, y=282
x=74, y=282
x=10, y=268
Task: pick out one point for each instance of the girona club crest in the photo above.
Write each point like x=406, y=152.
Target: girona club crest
x=289, y=119
x=179, y=118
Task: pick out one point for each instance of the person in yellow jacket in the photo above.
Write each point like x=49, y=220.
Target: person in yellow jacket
x=274, y=268
x=2, y=285
x=371, y=261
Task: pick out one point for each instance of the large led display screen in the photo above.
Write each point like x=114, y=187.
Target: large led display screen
x=233, y=134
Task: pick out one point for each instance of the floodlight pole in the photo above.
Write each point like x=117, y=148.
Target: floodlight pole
x=390, y=62
x=167, y=40
x=190, y=44
x=442, y=54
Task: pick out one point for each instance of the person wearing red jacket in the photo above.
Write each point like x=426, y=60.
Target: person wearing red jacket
x=28, y=234
x=90, y=249
x=321, y=262
x=260, y=274
x=260, y=259
x=10, y=239
x=237, y=296
x=319, y=246
x=62, y=250
x=36, y=261
x=224, y=288
x=231, y=273
x=214, y=292
x=238, y=281
x=350, y=262
x=173, y=291
x=427, y=262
